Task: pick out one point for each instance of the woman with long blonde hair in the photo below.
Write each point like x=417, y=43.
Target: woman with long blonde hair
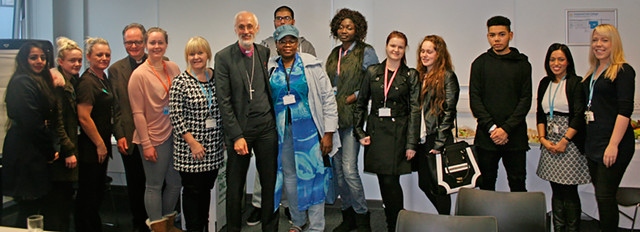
x=610, y=144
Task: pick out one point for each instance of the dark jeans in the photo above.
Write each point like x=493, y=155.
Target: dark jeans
x=196, y=198
x=515, y=163
x=57, y=206
x=442, y=202
x=91, y=187
x=392, y=197
x=605, y=182
x=135, y=187
x=262, y=139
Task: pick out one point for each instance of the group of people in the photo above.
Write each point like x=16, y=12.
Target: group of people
x=304, y=123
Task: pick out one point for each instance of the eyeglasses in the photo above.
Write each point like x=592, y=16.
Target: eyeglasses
x=36, y=57
x=288, y=42
x=131, y=43
x=285, y=18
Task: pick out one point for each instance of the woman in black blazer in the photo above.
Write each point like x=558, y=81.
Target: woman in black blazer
x=560, y=122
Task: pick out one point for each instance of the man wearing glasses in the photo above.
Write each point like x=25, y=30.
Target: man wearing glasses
x=123, y=127
x=284, y=16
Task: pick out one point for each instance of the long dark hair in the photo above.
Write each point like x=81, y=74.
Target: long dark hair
x=44, y=79
x=571, y=68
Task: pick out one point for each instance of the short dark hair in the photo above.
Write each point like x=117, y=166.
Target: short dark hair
x=135, y=25
x=283, y=8
x=571, y=67
x=499, y=21
x=358, y=20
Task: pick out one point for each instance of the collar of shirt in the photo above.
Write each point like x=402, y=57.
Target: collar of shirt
x=246, y=52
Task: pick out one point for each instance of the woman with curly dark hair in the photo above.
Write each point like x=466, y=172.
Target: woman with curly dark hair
x=346, y=67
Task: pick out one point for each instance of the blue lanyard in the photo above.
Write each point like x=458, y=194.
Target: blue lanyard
x=553, y=100
x=592, y=84
x=208, y=93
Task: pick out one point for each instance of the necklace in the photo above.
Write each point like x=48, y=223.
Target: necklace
x=250, y=79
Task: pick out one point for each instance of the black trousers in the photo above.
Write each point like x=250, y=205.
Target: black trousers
x=91, y=187
x=605, y=183
x=262, y=139
x=26, y=208
x=196, y=198
x=515, y=163
x=58, y=205
x=135, y=187
x=442, y=202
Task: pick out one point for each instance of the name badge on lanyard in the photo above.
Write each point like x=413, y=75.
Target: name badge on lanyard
x=165, y=110
x=289, y=99
x=386, y=111
x=210, y=123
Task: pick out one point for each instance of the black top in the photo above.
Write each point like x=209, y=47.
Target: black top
x=98, y=93
x=500, y=94
x=260, y=105
x=576, y=100
x=610, y=99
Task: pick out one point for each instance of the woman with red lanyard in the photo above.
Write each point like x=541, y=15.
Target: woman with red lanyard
x=393, y=125
x=149, y=97
x=345, y=67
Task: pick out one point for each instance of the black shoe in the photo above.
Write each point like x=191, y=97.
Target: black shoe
x=348, y=221
x=254, y=217
x=288, y=214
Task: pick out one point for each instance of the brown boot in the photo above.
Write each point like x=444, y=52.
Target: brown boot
x=158, y=225
x=171, y=218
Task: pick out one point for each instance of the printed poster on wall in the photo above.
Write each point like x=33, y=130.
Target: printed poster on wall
x=580, y=23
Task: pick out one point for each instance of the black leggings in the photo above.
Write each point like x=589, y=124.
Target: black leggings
x=565, y=193
x=392, y=197
x=442, y=202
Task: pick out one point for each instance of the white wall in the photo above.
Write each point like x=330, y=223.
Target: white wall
x=536, y=25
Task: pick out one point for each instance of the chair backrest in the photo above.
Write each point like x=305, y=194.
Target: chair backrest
x=515, y=211
x=410, y=221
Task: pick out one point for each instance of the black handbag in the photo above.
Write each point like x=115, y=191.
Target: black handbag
x=454, y=168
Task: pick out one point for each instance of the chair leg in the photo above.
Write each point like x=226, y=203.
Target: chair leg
x=635, y=213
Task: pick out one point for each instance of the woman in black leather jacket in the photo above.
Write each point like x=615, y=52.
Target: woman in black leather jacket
x=438, y=99
x=391, y=135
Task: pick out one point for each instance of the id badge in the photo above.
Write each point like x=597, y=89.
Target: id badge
x=289, y=99
x=384, y=112
x=165, y=110
x=210, y=123
x=588, y=115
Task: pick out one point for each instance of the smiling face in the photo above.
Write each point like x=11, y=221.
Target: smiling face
x=558, y=63
x=428, y=54
x=287, y=46
x=246, y=28
x=198, y=60
x=347, y=31
x=72, y=62
x=499, y=37
x=37, y=60
x=601, y=47
x=134, y=43
x=395, y=48
x=100, y=57
x=156, y=45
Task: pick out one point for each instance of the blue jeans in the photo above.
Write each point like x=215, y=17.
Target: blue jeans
x=347, y=174
x=299, y=218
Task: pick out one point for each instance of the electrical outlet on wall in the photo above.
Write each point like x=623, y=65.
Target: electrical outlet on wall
x=636, y=105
